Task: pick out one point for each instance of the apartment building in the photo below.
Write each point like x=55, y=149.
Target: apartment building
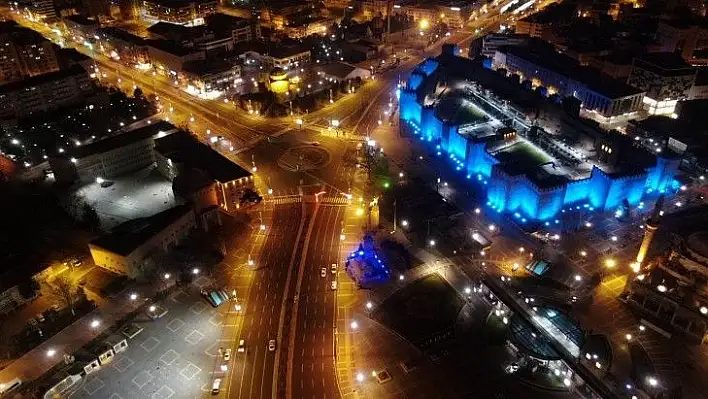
x=169, y=57
x=45, y=92
x=111, y=157
x=123, y=46
x=24, y=53
x=183, y=12
x=214, y=75
x=665, y=77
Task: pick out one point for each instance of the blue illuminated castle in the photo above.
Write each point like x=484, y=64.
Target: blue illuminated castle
x=524, y=169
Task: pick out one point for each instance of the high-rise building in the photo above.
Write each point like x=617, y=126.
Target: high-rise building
x=24, y=53
x=42, y=9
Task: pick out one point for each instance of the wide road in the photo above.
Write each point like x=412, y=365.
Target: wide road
x=252, y=374
x=311, y=362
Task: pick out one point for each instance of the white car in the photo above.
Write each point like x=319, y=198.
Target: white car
x=271, y=345
x=241, y=346
x=334, y=268
x=227, y=355
x=333, y=286
x=323, y=272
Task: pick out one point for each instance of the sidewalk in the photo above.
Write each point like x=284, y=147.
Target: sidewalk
x=37, y=362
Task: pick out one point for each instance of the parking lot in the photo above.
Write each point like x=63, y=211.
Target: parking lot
x=173, y=356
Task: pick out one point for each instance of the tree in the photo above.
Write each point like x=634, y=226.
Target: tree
x=29, y=288
x=90, y=217
x=67, y=292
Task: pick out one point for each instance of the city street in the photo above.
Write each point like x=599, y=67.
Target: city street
x=252, y=373
x=312, y=364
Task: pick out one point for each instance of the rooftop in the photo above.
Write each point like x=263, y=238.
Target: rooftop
x=545, y=57
x=280, y=52
x=207, y=67
x=121, y=34
x=171, y=47
x=664, y=64
x=337, y=69
x=74, y=70
x=81, y=20
x=122, y=139
x=181, y=147
x=127, y=237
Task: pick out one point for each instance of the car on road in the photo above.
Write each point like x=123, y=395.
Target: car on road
x=333, y=286
x=216, y=386
x=227, y=354
x=334, y=268
x=271, y=345
x=323, y=272
x=241, y=346
x=40, y=317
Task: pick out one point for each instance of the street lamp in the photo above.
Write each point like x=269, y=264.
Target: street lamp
x=369, y=305
x=262, y=227
x=468, y=290
x=653, y=381
x=152, y=308
x=578, y=277
x=610, y=263
x=401, y=277
x=99, y=180
x=51, y=352
x=166, y=276
x=195, y=271
x=432, y=243
x=95, y=323
x=133, y=296
x=354, y=325
x=404, y=223
x=360, y=377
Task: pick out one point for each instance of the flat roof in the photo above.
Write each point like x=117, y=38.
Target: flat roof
x=181, y=147
x=664, y=64
x=121, y=34
x=43, y=78
x=546, y=57
x=338, y=69
x=122, y=139
x=127, y=237
x=171, y=47
x=287, y=51
x=207, y=67
x=81, y=20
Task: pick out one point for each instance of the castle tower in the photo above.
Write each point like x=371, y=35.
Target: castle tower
x=649, y=230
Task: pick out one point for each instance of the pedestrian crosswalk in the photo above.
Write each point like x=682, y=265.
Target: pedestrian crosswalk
x=286, y=199
x=335, y=200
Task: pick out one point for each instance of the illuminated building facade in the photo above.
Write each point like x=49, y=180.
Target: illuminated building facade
x=666, y=79
x=24, y=52
x=183, y=12
x=519, y=176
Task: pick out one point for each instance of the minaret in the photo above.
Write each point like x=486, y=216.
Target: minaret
x=649, y=230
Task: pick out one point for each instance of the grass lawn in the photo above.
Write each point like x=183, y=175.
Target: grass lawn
x=525, y=155
x=421, y=309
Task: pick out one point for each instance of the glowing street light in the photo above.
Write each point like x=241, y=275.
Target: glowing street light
x=95, y=323
x=263, y=227
x=432, y=243
x=133, y=296
x=468, y=290
x=100, y=180
x=166, y=276
x=578, y=277
x=152, y=308
x=628, y=337
x=369, y=305
x=195, y=271
x=360, y=377
x=51, y=352
x=703, y=310
x=652, y=381
x=404, y=223
x=354, y=325
x=610, y=263
x=492, y=227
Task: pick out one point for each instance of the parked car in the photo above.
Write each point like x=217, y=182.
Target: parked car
x=227, y=354
x=323, y=272
x=334, y=268
x=40, y=317
x=333, y=286
x=241, y=346
x=271, y=345
x=216, y=386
